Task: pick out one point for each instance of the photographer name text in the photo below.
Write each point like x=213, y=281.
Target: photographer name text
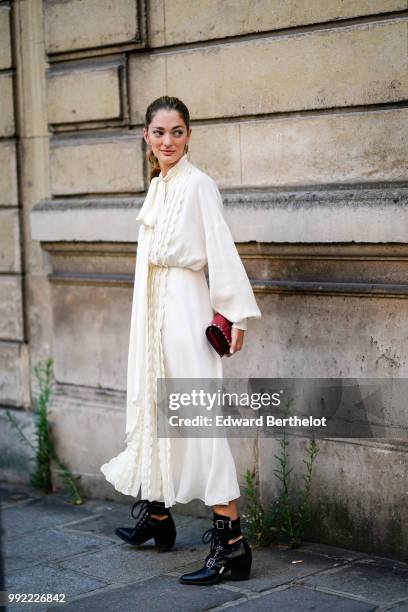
x=260, y=421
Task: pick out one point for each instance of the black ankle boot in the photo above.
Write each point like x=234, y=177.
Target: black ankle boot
x=233, y=560
x=162, y=530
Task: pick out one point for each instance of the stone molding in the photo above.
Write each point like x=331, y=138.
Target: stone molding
x=312, y=215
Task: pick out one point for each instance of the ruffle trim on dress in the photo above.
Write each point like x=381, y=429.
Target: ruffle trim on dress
x=124, y=480
x=121, y=470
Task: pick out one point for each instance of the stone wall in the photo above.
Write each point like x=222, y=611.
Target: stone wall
x=299, y=113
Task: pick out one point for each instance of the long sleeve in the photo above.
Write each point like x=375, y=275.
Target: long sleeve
x=231, y=292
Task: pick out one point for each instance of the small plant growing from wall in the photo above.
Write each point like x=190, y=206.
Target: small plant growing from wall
x=44, y=449
x=258, y=524
x=284, y=516
x=292, y=519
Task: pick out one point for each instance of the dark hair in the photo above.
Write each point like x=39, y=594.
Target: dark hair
x=166, y=103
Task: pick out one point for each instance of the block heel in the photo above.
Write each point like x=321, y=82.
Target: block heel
x=241, y=570
x=164, y=542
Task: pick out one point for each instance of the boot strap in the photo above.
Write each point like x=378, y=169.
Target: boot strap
x=221, y=524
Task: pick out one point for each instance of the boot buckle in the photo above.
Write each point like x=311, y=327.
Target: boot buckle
x=210, y=562
x=223, y=525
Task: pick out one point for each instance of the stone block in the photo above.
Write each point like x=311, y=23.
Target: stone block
x=6, y=105
x=215, y=149
x=11, y=312
x=157, y=594
x=359, y=491
x=127, y=564
x=147, y=82
x=281, y=74
x=22, y=553
x=39, y=313
x=208, y=19
x=87, y=93
x=8, y=175
x=340, y=148
x=44, y=513
x=156, y=23
x=14, y=367
x=91, y=333
x=98, y=165
x=42, y=575
x=74, y=430
x=5, y=43
x=378, y=581
x=10, y=258
x=341, y=337
x=83, y=24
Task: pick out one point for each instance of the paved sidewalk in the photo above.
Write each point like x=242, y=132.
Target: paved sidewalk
x=51, y=546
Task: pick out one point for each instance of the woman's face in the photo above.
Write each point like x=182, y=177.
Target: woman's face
x=167, y=135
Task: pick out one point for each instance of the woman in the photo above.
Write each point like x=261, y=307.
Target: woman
x=182, y=229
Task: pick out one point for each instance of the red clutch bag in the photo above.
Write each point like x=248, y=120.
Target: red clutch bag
x=219, y=334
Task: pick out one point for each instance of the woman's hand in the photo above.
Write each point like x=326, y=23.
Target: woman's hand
x=237, y=340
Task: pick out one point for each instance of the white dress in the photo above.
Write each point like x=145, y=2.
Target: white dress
x=182, y=229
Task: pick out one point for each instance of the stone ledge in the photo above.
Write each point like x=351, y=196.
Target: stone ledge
x=385, y=290
x=312, y=215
